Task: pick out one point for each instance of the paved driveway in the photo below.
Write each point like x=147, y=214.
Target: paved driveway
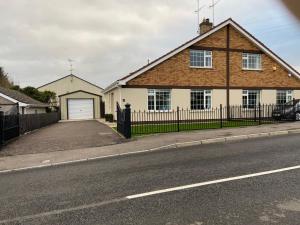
x=63, y=136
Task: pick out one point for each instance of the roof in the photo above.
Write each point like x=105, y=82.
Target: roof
x=198, y=38
x=4, y=101
x=69, y=76
x=69, y=93
x=20, y=97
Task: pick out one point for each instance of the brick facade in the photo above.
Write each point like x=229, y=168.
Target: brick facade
x=176, y=71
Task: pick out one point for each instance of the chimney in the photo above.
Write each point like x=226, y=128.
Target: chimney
x=205, y=26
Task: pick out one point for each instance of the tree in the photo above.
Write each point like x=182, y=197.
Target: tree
x=16, y=88
x=4, y=79
x=42, y=96
x=47, y=96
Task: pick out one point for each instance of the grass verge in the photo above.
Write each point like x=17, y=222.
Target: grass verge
x=145, y=129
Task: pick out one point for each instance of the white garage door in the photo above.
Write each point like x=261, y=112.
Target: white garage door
x=80, y=109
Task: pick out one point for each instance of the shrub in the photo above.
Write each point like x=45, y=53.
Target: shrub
x=109, y=117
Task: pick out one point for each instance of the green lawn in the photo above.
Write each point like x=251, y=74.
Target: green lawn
x=145, y=129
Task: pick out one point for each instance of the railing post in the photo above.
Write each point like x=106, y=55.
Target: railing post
x=127, y=122
x=259, y=113
x=255, y=108
x=118, y=117
x=178, y=128
x=294, y=108
x=1, y=128
x=221, y=116
x=228, y=111
x=18, y=115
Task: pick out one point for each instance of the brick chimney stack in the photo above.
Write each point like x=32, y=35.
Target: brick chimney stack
x=205, y=26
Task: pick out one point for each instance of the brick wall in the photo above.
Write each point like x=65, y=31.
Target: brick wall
x=176, y=71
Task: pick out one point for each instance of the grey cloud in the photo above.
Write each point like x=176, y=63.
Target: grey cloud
x=107, y=39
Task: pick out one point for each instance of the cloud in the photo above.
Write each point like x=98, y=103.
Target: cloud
x=108, y=39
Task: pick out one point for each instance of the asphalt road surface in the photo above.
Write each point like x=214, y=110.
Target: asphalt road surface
x=248, y=182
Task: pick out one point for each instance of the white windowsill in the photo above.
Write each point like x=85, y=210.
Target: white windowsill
x=250, y=109
x=199, y=67
x=160, y=111
x=200, y=110
x=245, y=69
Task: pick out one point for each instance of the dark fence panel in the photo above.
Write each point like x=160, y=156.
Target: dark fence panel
x=29, y=122
x=12, y=126
x=9, y=127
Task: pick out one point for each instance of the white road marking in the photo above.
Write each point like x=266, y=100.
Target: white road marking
x=211, y=182
x=60, y=211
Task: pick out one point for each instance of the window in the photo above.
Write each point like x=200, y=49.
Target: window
x=283, y=96
x=200, y=99
x=159, y=100
x=251, y=61
x=251, y=98
x=201, y=59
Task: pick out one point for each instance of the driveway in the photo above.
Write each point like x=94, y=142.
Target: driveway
x=63, y=136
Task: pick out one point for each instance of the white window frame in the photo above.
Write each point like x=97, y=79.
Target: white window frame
x=288, y=95
x=206, y=93
x=208, y=56
x=152, y=92
x=245, y=93
x=246, y=56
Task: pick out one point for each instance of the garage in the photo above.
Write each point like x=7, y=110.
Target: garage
x=76, y=98
x=79, y=109
x=80, y=105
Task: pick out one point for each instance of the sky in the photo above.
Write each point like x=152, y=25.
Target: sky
x=109, y=39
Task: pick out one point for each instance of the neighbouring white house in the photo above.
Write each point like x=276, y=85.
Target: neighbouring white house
x=10, y=99
x=76, y=98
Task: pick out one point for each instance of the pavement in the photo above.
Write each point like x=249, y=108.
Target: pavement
x=144, y=144
x=100, y=191
x=62, y=136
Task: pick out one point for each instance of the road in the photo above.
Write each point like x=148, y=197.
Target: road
x=98, y=192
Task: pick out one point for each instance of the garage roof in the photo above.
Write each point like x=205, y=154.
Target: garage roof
x=69, y=93
x=69, y=76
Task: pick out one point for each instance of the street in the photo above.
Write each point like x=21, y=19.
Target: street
x=98, y=192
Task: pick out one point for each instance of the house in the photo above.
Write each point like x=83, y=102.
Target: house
x=10, y=99
x=224, y=65
x=76, y=97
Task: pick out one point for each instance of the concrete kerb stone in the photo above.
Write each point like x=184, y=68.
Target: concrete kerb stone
x=294, y=131
x=187, y=144
x=258, y=135
x=236, y=138
x=213, y=140
x=276, y=133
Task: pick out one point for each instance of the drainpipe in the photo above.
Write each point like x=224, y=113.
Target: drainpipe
x=228, y=71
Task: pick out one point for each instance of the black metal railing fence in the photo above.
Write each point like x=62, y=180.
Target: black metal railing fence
x=146, y=122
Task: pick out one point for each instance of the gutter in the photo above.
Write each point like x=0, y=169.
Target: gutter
x=112, y=86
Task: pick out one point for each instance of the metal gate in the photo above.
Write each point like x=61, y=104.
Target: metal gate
x=9, y=122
